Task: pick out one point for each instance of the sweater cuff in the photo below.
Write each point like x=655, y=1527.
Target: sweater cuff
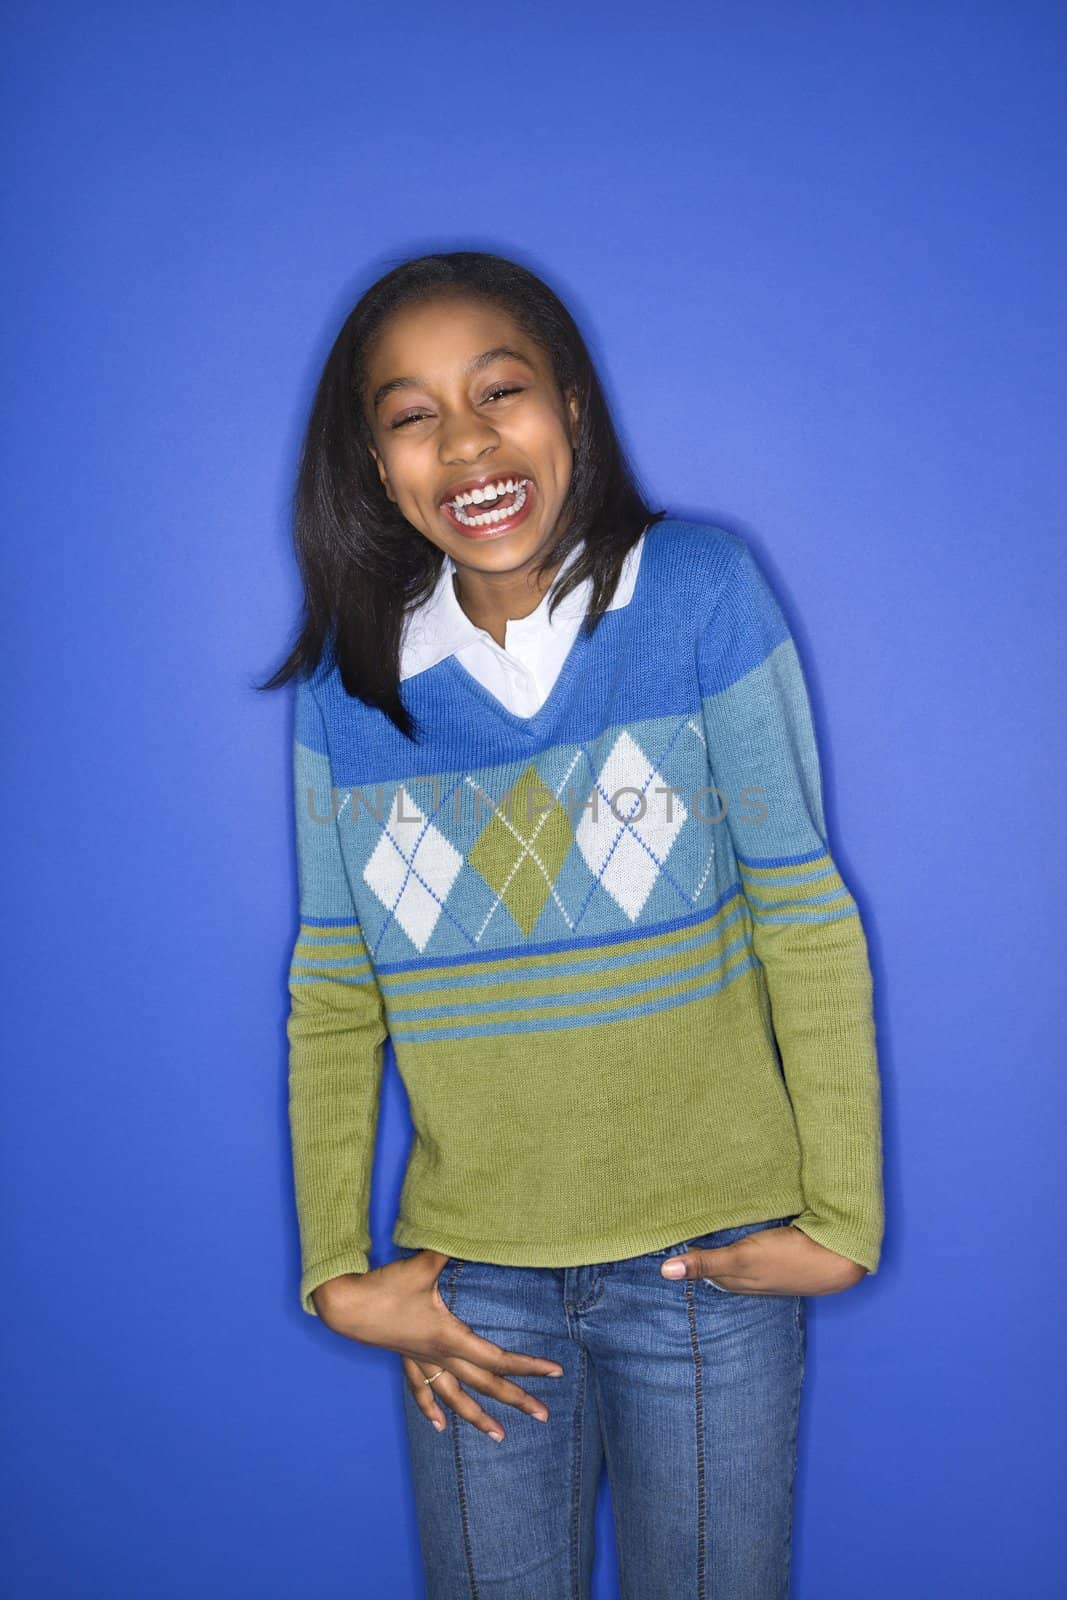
x=352, y=1261
x=865, y=1252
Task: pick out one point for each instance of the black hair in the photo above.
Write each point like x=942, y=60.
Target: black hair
x=363, y=565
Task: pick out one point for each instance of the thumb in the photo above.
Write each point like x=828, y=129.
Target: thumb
x=698, y=1263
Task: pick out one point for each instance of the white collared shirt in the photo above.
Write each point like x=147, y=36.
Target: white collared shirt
x=520, y=673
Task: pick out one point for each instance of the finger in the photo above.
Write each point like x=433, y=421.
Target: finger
x=714, y=1263
x=704, y=1265
x=448, y=1392
x=423, y=1392
x=466, y=1345
x=498, y=1388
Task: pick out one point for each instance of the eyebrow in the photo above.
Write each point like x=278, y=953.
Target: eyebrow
x=500, y=352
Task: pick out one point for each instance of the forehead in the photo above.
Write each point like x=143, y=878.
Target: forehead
x=436, y=339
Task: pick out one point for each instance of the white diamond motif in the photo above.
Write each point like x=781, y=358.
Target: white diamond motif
x=627, y=855
x=412, y=868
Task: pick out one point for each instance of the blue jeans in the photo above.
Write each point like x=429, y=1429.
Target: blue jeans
x=689, y=1392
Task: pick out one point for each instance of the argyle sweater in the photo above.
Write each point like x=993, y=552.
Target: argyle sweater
x=627, y=988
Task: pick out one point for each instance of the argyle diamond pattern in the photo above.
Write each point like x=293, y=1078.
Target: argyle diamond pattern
x=622, y=828
x=412, y=868
x=522, y=847
x=627, y=855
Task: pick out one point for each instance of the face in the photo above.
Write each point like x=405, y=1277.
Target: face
x=460, y=400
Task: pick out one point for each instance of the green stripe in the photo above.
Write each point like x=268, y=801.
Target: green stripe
x=569, y=1005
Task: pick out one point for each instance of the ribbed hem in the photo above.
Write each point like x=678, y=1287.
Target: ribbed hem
x=580, y=1252
x=353, y=1261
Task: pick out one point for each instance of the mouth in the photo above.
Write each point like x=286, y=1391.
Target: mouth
x=491, y=507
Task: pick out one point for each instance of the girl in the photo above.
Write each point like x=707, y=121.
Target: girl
x=560, y=837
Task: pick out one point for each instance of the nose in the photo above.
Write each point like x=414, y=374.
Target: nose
x=466, y=437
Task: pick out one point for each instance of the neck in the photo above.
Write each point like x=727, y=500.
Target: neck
x=493, y=599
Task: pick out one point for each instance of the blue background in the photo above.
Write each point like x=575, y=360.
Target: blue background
x=819, y=254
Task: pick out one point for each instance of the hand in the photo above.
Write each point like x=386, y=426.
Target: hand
x=771, y=1261
x=399, y=1307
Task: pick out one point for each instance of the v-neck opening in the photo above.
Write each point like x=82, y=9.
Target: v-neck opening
x=581, y=645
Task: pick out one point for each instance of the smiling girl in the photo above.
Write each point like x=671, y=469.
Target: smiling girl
x=560, y=838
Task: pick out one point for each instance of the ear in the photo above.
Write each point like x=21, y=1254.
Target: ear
x=383, y=475
x=572, y=408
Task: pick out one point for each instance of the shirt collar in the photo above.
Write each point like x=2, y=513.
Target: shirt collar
x=440, y=626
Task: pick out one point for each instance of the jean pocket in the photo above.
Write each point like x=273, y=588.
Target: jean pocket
x=404, y=1252
x=720, y=1236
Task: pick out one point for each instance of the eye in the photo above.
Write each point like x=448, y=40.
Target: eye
x=417, y=416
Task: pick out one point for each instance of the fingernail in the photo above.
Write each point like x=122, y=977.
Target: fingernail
x=554, y=1374
x=438, y=1424
x=674, y=1269
x=542, y=1416
x=499, y=1437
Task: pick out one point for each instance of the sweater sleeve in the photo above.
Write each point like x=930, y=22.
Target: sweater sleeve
x=336, y=1029
x=805, y=925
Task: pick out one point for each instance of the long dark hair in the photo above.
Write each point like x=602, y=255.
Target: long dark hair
x=364, y=566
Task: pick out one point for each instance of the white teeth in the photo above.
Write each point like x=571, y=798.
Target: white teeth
x=487, y=494
x=489, y=517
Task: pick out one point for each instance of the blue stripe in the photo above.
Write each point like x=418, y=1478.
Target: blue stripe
x=573, y=997
x=325, y=977
x=756, y=900
x=567, y=969
x=688, y=919
x=332, y=961
x=783, y=861
x=796, y=879
x=799, y=916
x=545, y=1025
x=330, y=922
